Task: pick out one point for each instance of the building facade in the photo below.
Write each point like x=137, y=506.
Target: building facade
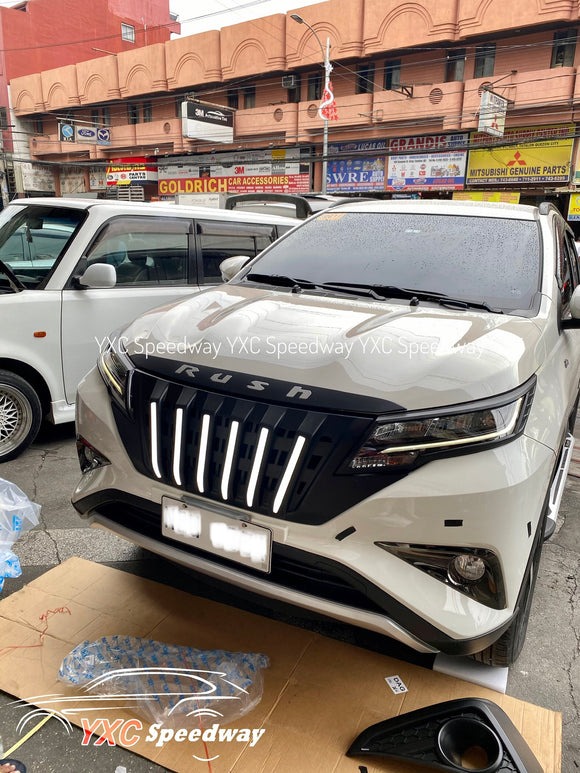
x=407, y=82
x=50, y=34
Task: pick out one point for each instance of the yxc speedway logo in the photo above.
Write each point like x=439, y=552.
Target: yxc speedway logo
x=129, y=733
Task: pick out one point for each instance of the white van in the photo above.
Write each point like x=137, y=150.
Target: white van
x=72, y=271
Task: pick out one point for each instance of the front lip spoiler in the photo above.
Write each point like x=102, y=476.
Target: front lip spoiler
x=369, y=620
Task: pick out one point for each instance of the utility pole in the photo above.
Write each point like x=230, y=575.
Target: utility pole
x=327, y=70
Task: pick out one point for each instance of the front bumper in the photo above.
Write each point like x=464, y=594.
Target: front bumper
x=495, y=495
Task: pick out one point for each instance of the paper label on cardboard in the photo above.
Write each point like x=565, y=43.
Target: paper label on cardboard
x=396, y=684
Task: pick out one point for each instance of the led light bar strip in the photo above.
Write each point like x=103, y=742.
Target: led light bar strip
x=227, y=471
x=177, y=446
x=202, y=452
x=256, y=466
x=288, y=472
x=154, y=445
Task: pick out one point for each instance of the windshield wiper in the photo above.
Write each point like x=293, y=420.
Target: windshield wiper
x=392, y=291
x=13, y=280
x=297, y=285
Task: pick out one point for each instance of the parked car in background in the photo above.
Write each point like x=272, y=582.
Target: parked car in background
x=373, y=420
x=287, y=204
x=71, y=271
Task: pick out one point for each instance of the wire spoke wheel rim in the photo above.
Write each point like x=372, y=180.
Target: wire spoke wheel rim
x=16, y=418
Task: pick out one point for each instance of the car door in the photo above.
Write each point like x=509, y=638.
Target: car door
x=152, y=257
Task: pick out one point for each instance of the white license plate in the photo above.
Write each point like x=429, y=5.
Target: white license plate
x=231, y=538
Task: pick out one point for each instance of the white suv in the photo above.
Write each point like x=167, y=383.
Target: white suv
x=372, y=420
x=72, y=271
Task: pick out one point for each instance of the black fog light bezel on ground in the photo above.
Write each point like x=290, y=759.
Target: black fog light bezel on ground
x=441, y=562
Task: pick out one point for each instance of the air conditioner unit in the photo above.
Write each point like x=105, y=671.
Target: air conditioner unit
x=289, y=81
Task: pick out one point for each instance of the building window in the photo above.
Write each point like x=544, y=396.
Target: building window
x=315, y=86
x=294, y=92
x=392, y=74
x=38, y=125
x=132, y=113
x=3, y=118
x=484, y=61
x=249, y=97
x=106, y=116
x=233, y=99
x=564, y=48
x=128, y=33
x=96, y=117
x=147, y=112
x=365, y=78
x=455, y=65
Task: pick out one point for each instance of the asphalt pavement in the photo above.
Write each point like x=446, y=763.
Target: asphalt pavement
x=547, y=672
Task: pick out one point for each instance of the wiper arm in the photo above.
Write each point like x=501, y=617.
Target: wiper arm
x=13, y=280
x=392, y=291
x=297, y=285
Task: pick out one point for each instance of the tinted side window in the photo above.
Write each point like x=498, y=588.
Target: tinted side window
x=218, y=241
x=144, y=250
x=563, y=270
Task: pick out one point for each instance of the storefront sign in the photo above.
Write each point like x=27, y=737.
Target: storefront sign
x=574, y=207
x=97, y=178
x=443, y=170
x=540, y=154
x=492, y=112
x=356, y=174
x=66, y=132
x=38, y=177
x=72, y=180
x=507, y=197
x=91, y=135
x=127, y=171
x=262, y=171
x=207, y=122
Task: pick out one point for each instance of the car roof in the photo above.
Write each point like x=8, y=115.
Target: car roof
x=159, y=208
x=447, y=207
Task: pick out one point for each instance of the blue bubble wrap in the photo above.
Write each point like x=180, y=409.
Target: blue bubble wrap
x=166, y=683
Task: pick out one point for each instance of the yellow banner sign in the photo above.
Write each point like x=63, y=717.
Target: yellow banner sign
x=574, y=207
x=540, y=154
x=507, y=197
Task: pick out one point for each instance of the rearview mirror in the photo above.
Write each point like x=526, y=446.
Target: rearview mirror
x=99, y=276
x=231, y=266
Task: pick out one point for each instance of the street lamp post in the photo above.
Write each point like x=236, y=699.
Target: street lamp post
x=327, y=70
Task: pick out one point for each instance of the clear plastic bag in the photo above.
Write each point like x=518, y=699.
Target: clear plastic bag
x=168, y=684
x=17, y=514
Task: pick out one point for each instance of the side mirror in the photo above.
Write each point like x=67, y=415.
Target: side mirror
x=99, y=276
x=574, y=321
x=231, y=266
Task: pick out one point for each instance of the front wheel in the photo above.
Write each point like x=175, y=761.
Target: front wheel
x=20, y=415
x=507, y=648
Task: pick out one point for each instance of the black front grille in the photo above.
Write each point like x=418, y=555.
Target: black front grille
x=243, y=452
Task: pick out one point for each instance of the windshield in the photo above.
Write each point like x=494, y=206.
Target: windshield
x=469, y=258
x=32, y=239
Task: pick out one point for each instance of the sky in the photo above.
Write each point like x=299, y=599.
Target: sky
x=206, y=15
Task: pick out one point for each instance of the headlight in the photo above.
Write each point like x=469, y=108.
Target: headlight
x=114, y=367
x=402, y=442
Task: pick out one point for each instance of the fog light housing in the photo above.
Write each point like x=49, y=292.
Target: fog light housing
x=475, y=572
x=89, y=457
x=466, y=568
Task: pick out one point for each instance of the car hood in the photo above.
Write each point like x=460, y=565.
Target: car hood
x=416, y=357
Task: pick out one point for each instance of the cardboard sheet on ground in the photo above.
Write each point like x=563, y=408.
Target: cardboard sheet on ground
x=318, y=693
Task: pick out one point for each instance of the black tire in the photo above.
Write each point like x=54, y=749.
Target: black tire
x=507, y=648
x=20, y=415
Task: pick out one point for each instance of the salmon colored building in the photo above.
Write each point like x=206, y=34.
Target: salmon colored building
x=50, y=34
x=407, y=82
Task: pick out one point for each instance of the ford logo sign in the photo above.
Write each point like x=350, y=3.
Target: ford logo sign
x=86, y=132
